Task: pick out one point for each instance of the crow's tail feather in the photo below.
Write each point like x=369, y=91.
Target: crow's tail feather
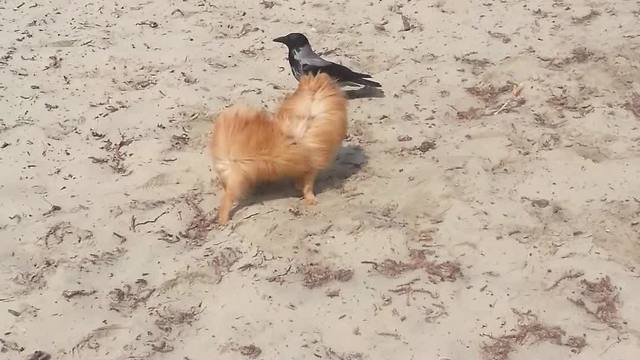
x=361, y=75
x=366, y=82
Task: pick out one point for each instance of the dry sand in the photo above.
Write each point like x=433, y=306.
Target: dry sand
x=487, y=207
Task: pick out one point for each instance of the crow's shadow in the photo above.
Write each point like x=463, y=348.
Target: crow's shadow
x=364, y=93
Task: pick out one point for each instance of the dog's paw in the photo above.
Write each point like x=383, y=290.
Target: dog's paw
x=219, y=227
x=222, y=221
x=310, y=200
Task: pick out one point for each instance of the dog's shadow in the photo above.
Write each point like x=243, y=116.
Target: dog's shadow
x=365, y=93
x=349, y=161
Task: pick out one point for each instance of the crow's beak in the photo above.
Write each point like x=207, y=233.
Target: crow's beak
x=280, y=40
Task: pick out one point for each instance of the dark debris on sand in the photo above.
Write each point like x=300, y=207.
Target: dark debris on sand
x=438, y=271
x=529, y=331
x=319, y=275
x=602, y=301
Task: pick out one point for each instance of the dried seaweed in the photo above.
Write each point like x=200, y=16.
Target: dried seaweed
x=409, y=290
x=438, y=271
x=117, y=155
x=140, y=84
x=4, y=59
x=432, y=315
x=470, y=114
x=61, y=231
x=317, y=275
x=250, y=351
x=167, y=237
x=68, y=294
x=102, y=258
x=562, y=102
x=169, y=317
x=633, y=105
x=32, y=280
x=426, y=145
x=129, y=297
x=478, y=64
x=178, y=142
x=135, y=223
x=529, y=331
x=333, y=355
x=54, y=64
x=497, y=35
x=570, y=275
x=579, y=55
x=201, y=224
x=498, y=349
x=54, y=208
x=8, y=345
x=162, y=346
x=222, y=261
x=39, y=355
x=604, y=297
x=489, y=93
x=279, y=278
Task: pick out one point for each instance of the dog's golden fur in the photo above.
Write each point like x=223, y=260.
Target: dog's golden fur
x=249, y=146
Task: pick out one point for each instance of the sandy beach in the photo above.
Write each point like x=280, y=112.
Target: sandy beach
x=486, y=207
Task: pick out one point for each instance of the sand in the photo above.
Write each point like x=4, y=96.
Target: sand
x=487, y=207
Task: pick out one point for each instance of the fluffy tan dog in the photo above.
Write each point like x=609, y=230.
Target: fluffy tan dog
x=250, y=146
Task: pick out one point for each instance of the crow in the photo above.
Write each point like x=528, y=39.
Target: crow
x=303, y=60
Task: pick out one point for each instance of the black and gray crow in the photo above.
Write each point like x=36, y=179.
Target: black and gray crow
x=304, y=60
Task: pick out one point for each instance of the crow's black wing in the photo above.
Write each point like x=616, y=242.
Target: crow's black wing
x=339, y=72
x=336, y=71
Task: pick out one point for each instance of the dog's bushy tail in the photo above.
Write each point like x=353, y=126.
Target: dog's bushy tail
x=316, y=116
